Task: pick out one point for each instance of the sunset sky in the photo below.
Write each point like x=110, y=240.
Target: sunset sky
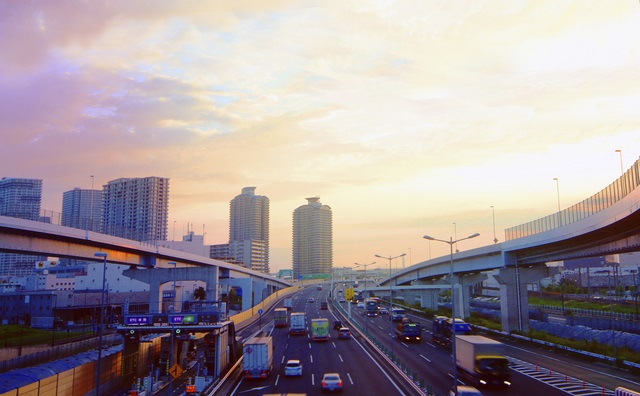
x=405, y=117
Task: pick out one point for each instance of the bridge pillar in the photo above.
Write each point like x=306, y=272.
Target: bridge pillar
x=463, y=292
x=514, y=301
x=429, y=299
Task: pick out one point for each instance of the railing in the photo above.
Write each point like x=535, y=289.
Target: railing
x=617, y=190
x=248, y=314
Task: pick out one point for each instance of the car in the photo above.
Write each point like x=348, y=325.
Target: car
x=341, y=300
x=331, y=382
x=312, y=300
x=466, y=391
x=383, y=311
x=324, y=305
x=293, y=368
x=360, y=304
x=337, y=325
x=344, y=333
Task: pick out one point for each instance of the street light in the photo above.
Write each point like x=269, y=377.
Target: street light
x=621, y=167
x=104, y=279
x=613, y=332
x=495, y=240
x=557, y=191
x=391, y=291
x=365, y=275
x=175, y=269
x=451, y=241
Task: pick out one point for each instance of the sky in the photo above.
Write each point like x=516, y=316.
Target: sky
x=407, y=118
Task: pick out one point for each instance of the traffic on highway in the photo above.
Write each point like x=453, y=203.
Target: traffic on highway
x=333, y=342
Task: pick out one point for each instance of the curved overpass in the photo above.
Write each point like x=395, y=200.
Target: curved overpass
x=149, y=263
x=605, y=223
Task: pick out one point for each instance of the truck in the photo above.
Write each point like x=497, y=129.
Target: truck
x=620, y=391
x=408, y=331
x=481, y=360
x=370, y=307
x=320, y=329
x=280, y=317
x=397, y=314
x=298, y=323
x=257, y=358
x=288, y=304
x=443, y=329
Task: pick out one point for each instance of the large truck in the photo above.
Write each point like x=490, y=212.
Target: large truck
x=320, y=329
x=370, y=307
x=444, y=328
x=280, y=317
x=481, y=360
x=257, y=357
x=288, y=304
x=408, y=331
x=298, y=323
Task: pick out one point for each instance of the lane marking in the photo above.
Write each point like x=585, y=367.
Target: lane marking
x=340, y=357
x=425, y=358
x=311, y=358
x=350, y=380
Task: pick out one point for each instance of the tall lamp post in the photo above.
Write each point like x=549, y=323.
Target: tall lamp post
x=493, y=210
x=175, y=292
x=451, y=241
x=391, y=290
x=365, y=275
x=100, y=330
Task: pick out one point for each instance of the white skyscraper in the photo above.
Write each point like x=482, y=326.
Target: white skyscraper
x=136, y=208
x=82, y=209
x=249, y=229
x=312, y=239
x=20, y=198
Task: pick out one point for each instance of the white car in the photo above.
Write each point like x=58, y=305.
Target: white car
x=331, y=382
x=360, y=304
x=293, y=367
x=466, y=391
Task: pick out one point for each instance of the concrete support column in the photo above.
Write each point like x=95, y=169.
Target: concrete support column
x=462, y=288
x=514, y=300
x=429, y=299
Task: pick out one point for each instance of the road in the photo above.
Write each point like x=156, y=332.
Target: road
x=359, y=372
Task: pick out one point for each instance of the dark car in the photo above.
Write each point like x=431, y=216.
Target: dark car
x=344, y=333
x=324, y=305
x=337, y=325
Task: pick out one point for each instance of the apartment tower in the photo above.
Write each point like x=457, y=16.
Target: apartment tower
x=249, y=230
x=82, y=209
x=312, y=239
x=136, y=208
x=20, y=198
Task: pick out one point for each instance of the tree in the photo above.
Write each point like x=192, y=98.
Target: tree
x=200, y=294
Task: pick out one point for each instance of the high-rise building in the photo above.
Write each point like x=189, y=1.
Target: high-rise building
x=19, y=198
x=82, y=209
x=312, y=239
x=136, y=208
x=249, y=229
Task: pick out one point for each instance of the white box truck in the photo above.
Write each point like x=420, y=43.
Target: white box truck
x=298, y=323
x=288, y=304
x=257, y=358
x=482, y=360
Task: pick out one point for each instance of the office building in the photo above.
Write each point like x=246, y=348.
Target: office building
x=249, y=230
x=82, y=209
x=136, y=208
x=19, y=198
x=312, y=239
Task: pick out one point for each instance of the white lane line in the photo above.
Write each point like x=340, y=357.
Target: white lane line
x=311, y=358
x=282, y=361
x=277, y=379
x=334, y=344
x=425, y=358
x=406, y=346
x=309, y=345
x=313, y=380
x=350, y=380
x=340, y=356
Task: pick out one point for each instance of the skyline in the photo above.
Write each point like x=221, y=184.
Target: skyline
x=404, y=117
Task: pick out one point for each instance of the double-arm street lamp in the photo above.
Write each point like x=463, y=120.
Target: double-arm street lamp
x=391, y=290
x=365, y=275
x=100, y=323
x=175, y=292
x=450, y=242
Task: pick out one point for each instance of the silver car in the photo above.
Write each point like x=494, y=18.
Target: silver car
x=331, y=382
x=293, y=367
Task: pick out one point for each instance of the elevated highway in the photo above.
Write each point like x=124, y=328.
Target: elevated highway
x=149, y=263
x=603, y=224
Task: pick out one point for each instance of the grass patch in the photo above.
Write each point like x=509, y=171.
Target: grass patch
x=15, y=335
